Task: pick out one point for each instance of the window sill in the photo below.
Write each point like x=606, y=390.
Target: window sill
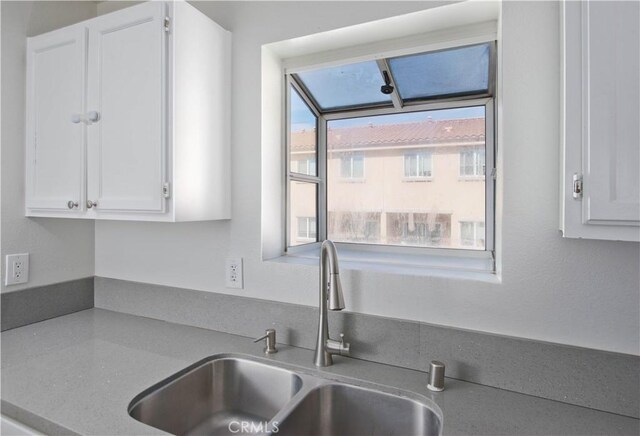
x=417, y=179
x=352, y=180
x=471, y=178
x=476, y=266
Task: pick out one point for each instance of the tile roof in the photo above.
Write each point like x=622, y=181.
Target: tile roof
x=423, y=132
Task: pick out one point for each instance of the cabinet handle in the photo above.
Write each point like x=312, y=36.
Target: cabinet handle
x=72, y=204
x=91, y=204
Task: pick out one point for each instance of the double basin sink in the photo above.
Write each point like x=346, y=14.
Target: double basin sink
x=228, y=394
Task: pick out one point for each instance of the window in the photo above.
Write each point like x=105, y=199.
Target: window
x=304, y=166
x=453, y=72
x=352, y=166
x=436, y=111
x=417, y=165
x=307, y=228
x=472, y=163
x=472, y=234
x=344, y=86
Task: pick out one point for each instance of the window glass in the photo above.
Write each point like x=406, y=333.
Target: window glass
x=472, y=234
x=457, y=71
x=385, y=208
x=303, y=140
x=307, y=228
x=303, y=213
x=345, y=85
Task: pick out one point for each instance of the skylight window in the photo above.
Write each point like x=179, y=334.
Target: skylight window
x=345, y=86
x=454, y=72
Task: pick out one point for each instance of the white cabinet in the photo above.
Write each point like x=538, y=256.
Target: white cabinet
x=134, y=115
x=600, y=191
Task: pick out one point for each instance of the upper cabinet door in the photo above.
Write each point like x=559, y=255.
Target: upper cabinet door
x=54, y=131
x=602, y=120
x=611, y=83
x=127, y=91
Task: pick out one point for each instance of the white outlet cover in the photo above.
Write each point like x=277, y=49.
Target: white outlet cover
x=233, y=273
x=16, y=269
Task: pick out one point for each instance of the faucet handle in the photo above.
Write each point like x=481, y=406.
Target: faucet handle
x=342, y=348
x=270, y=336
x=345, y=347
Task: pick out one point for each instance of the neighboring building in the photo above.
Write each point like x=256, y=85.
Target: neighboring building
x=419, y=183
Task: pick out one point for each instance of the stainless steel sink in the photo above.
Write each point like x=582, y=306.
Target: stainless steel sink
x=227, y=394
x=207, y=397
x=338, y=409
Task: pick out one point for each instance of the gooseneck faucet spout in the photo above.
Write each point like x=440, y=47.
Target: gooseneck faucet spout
x=331, y=298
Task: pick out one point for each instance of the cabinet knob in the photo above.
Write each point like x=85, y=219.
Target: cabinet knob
x=93, y=116
x=91, y=204
x=72, y=204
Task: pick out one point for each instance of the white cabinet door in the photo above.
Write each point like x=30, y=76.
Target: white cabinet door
x=127, y=88
x=602, y=119
x=54, y=144
x=612, y=121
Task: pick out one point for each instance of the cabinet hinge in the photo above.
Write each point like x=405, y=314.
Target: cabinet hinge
x=166, y=190
x=577, y=186
x=167, y=24
x=494, y=173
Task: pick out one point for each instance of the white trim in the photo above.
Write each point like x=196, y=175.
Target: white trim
x=439, y=40
x=422, y=107
x=474, y=265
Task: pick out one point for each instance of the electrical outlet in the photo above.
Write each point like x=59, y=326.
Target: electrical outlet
x=233, y=277
x=17, y=269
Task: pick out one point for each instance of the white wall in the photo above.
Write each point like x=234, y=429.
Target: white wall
x=59, y=250
x=576, y=292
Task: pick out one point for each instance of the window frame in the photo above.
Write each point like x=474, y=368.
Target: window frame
x=321, y=173
x=446, y=102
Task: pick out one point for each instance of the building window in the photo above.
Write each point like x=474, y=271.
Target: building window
x=306, y=228
x=352, y=166
x=417, y=165
x=472, y=163
x=304, y=166
x=472, y=234
x=439, y=103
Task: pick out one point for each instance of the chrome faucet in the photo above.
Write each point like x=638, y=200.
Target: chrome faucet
x=331, y=298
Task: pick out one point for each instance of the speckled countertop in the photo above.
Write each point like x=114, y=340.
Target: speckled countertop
x=78, y=373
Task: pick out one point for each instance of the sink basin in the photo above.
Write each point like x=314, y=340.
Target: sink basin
x=339, y=409
x=224, y=395
x=205, y=398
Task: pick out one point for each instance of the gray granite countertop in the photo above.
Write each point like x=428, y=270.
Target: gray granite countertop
x=78, y=373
